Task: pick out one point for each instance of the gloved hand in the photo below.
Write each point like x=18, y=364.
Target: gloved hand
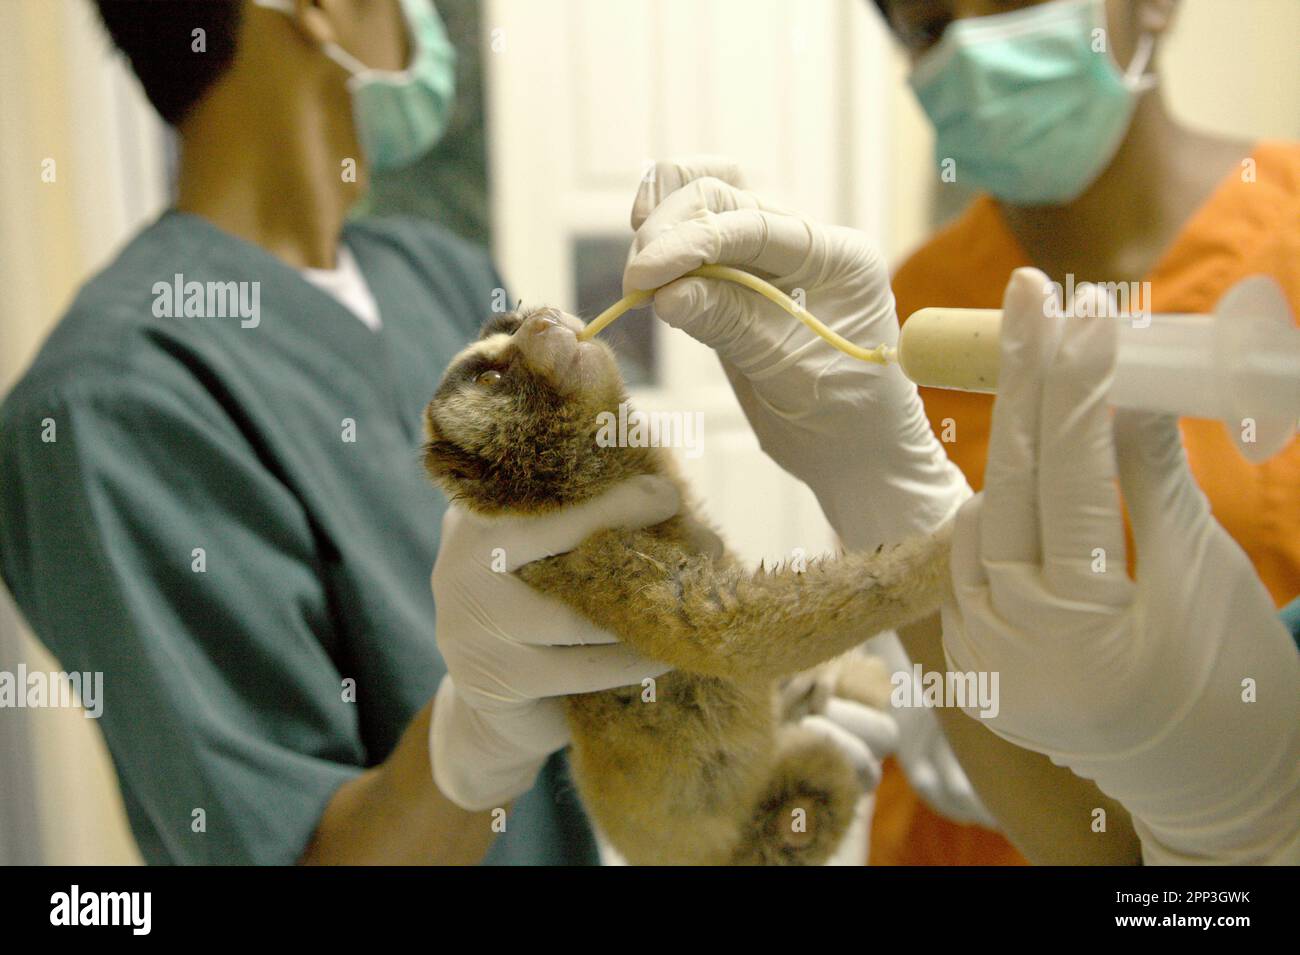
x=854, y=432
x=923, y=752
x=1143, y=686
x=511, y=652
x=843, y=702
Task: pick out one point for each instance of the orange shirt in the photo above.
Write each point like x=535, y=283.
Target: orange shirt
x=1250, y=225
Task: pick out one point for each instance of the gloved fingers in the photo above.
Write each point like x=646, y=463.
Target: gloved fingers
x=667, y=176
x=543, y=724
x=482, y=763
x=878, y=730
x=1081, y=527
x=964, y=623
x=1004, y=591
x=1158, y=486
x=966, y=564
x=864, y=762
x=514, y=612
x=539, y=672
x=1018, y=597
x=957, y=651
x=706, y=309
x=747, y=238
x=1029, y=338
x=954, y=796
x=922, y=777
x=977, y=814
x=694, y=200
x=641, y=501
x=537, y=726
x=723, y=316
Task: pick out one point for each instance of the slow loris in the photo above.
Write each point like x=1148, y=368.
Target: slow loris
x=706, y=773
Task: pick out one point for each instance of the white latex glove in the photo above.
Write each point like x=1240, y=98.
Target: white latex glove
x=1137, y=685
x=855, y=432
x=864, y=734
x=923, y=752
x=511, y=652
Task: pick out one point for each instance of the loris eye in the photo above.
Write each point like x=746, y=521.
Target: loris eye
x=488, y=379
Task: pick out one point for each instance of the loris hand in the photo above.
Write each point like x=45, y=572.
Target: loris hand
x=511, y=652
x=855, y=432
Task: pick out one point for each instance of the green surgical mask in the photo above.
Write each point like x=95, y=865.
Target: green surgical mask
x=399, y=114
x=1030, y=104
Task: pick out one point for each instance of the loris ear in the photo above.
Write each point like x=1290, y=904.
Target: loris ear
x=442, y=459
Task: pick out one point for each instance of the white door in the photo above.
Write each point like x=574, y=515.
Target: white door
x=583, y=95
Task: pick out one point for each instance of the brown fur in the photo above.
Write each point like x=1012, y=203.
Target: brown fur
x=707, y=773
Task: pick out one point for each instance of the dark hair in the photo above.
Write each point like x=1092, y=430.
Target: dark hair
x=159, y=37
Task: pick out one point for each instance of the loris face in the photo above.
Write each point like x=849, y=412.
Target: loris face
x=512, y=426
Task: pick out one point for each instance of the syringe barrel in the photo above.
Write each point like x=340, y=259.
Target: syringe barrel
x=1169, y=363
x=1192, y=365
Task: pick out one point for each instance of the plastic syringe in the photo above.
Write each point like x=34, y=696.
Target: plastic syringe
x=1240, y=365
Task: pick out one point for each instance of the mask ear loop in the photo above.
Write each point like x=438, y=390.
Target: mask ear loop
x=341, y=57
x=356, y=69
x=1136, y=77
x=346, y=61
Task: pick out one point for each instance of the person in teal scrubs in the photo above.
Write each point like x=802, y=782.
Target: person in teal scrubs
x=210, y=478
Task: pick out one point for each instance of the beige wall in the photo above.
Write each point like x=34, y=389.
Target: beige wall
x=1229, y=65
x=108, y=178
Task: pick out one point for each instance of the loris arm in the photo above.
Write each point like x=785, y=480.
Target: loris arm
x=713, y=617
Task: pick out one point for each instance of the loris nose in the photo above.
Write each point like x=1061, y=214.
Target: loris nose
x=545, y=342
x=551, y=317
x=542, y=322
x=539, y=328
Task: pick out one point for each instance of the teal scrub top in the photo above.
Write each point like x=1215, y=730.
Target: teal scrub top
x=1291, y=617
x=232, y=522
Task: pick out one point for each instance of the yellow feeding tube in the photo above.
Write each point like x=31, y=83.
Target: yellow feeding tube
x=880, y=355
x=1241, y=363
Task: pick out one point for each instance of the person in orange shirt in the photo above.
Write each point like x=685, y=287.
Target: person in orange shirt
x=1052, y=109
x=1188, y=212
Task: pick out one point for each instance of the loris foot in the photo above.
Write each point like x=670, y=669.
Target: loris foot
x=806, y=807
